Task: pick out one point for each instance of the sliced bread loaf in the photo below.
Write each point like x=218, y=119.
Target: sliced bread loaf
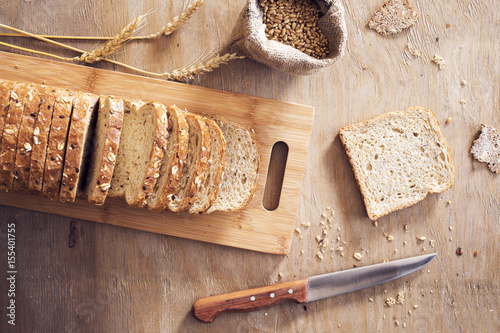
x=80, y=132
x=173, y=160
x=40, y=139
x=398, y=158
x=10, y=134
x=56, y=145
x=141, y=150
x=213, y=173
x=5, y=90
x=192, y=175
x=239, y=181
x=105, y=148
x=25, y=140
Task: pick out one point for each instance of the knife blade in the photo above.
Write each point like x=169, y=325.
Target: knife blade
x=307, y=290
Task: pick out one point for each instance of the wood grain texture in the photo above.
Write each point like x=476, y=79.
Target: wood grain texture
x=80, y=276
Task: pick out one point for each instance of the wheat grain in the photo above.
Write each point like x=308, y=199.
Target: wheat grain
x=111, y=46
x=178, y=21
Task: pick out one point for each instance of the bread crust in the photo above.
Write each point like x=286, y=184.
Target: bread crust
x=98, y=189
x=5, y=90
x=365, y=191
x=10, y=135
x=40, y=138
x=162, y=197
x=156, y=156
x=56, y=145
x=25, y=140
x=84, y=105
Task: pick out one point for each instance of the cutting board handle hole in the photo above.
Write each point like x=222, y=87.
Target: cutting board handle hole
x=275, y=176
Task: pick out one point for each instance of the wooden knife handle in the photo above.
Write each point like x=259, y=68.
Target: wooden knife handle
x=207, y=309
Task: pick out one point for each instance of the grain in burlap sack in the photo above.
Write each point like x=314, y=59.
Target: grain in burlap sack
x=248, y=38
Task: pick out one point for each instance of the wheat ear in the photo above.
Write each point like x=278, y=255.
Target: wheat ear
x=178, y=21
x=111, y=46
x=203, y=67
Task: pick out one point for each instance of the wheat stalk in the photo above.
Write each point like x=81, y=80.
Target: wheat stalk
x=111, y=46
x=178, y=21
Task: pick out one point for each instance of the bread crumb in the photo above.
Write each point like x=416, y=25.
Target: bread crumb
x=406, y=227
x=390, y=302
x=401, y=298
x=297, y=231
x=390, y=237
x=450, y=227
x=449, y=202
x=301, y=252
x=414, y=52
x=358, y=256
x=476, y=253
x=396, y=323
x=385, y=260
x=375, y=223
x=424, y=249
x=404, y=243
x=439, y=61
x=463, y=101
x=421, y=238
x=448, y=120
x=318, y=238
x=431, y=243
x=16, y=66
x=319, y=255
x=463, y=83
x=370, y=299
x=415, y=306
x=323, y=215
x=450, y=239
x=409, y=312
x=324, y=232
x=404, y=325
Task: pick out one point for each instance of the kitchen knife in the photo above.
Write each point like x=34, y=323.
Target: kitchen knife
x=307, y=290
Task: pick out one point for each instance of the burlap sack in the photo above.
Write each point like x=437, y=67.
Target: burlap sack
x=248, y=38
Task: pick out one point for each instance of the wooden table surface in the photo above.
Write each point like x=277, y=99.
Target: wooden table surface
x=80, y=276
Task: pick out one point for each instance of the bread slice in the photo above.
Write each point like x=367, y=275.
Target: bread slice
x=173, y=160
x=192, y=175
x=142, y=146
x=5, y=90
x=10, y=134
x=487, y=147
x=80, y=132
x=40, y=139
x=393, y=17
x=56, y=145
x=239, y=181
x=397, y=158
x=213, y=173
x=25, y=140
x=105, y=148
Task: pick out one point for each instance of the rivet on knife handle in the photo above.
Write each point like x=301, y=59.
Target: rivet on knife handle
x=207, y=309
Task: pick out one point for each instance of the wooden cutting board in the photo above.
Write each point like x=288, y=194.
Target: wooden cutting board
x=254, y=228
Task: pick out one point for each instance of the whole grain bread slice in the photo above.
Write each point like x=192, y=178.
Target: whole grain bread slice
x=239, y=181
x=10, y=134
x=173, y=160
x=25, y=140
x=487, y=147
x=397, y=158
x=192, y=175
x=5, y=90
x=105, y=148
x=142, y=147
x=40, y=139
x=80, y=132
x=214, y=171
x=56, y=145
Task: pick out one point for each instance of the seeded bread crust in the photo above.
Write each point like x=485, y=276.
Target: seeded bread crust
x=196, y=162
x=25, y=140
x=40, y=139
x=56, y=146
x=214, y=171
x=105, y=148
x=239, y=181
x=5, y=89
x=173, y=160
x=398, y=122
x=77, y=145
x=158, y=151
x=10, y=135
